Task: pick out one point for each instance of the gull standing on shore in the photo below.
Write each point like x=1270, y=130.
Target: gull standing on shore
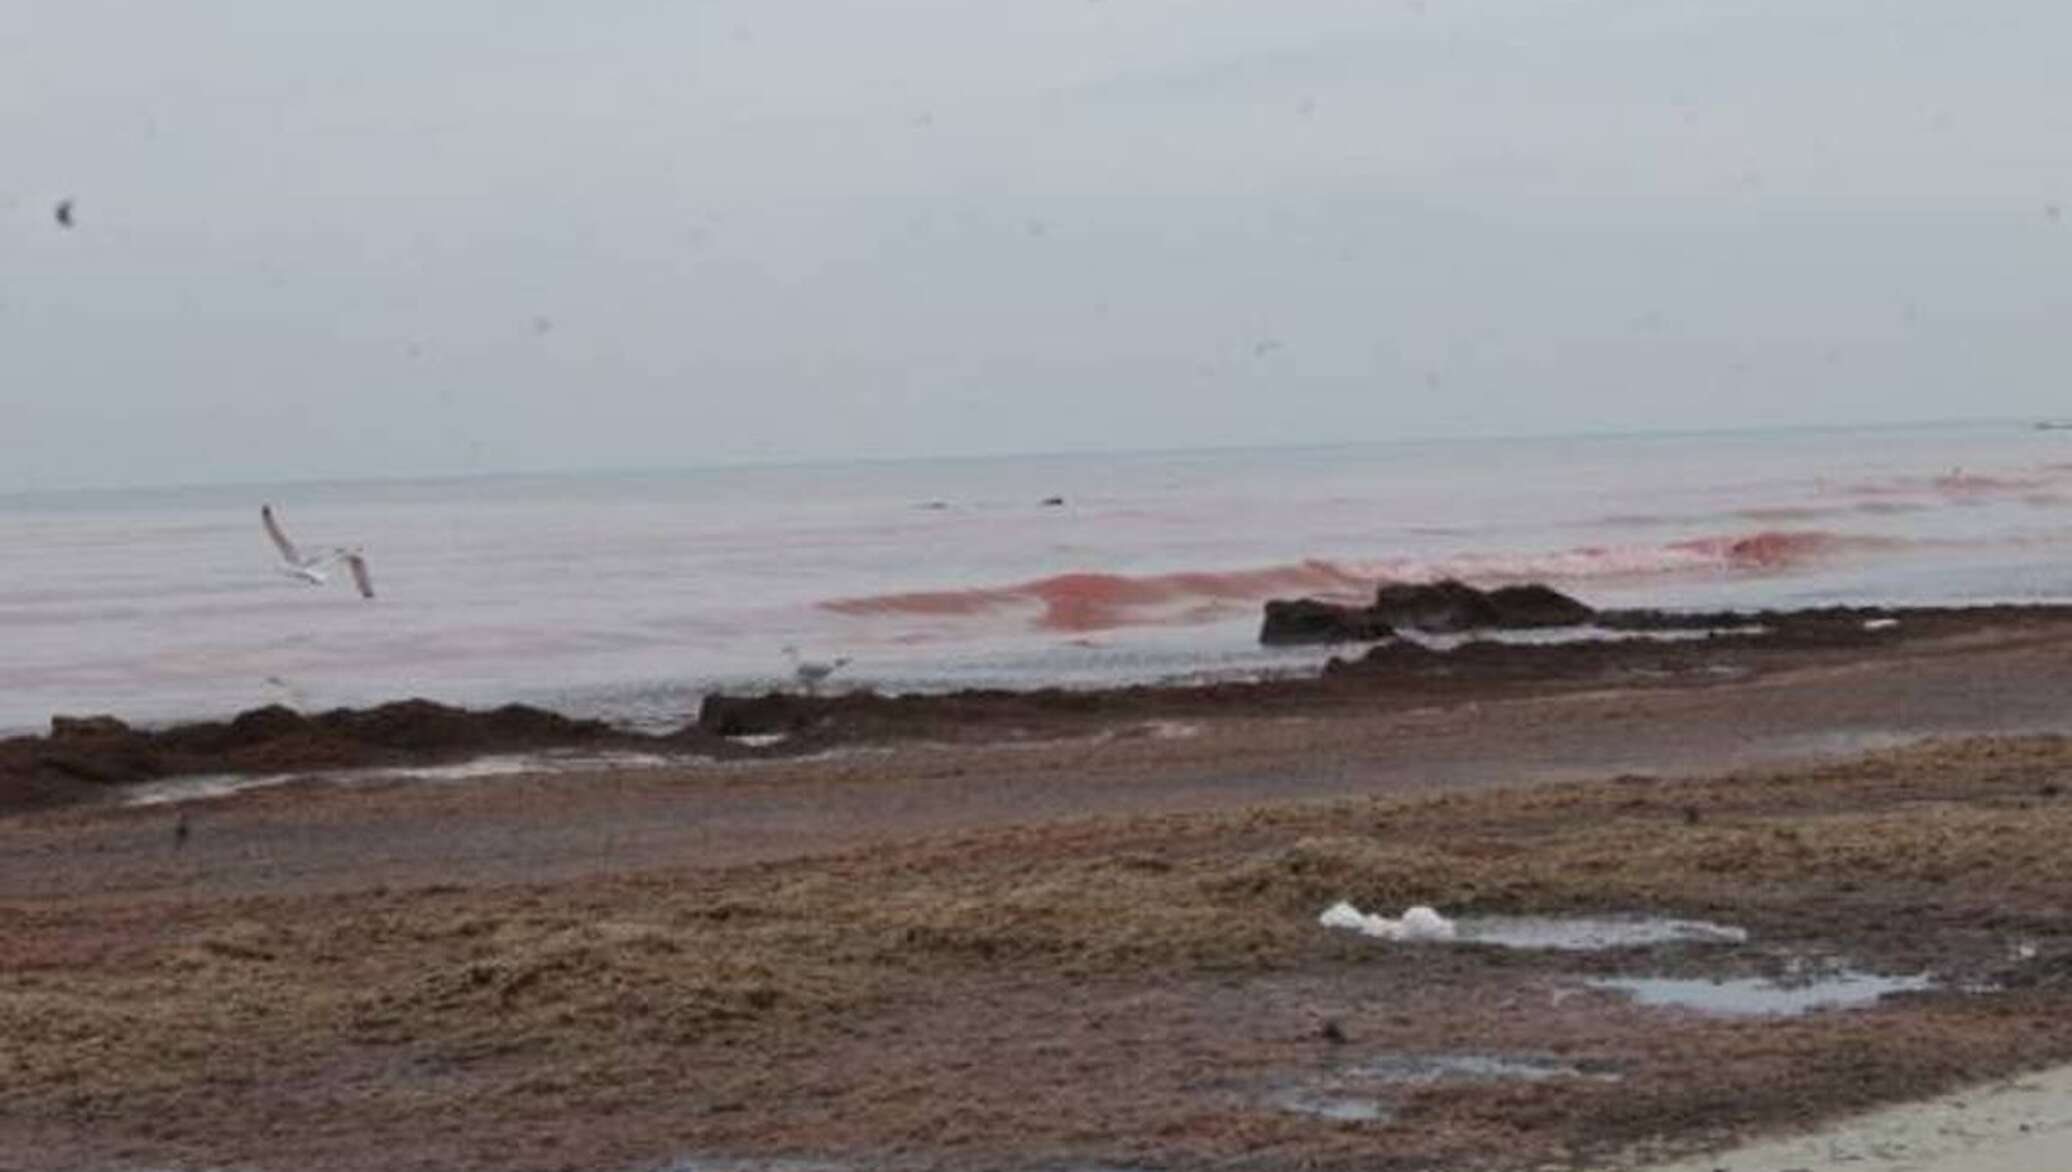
x=296, y=564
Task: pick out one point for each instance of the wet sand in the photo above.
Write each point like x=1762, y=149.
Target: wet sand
x=1087, y=942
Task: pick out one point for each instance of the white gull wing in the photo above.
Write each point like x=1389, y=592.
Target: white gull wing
x=289, y=553
x=361, y=578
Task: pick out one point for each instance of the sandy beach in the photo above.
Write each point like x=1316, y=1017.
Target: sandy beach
x=1089, y=939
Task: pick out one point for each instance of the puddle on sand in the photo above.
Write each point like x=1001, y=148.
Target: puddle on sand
x=202, y=786
x=1754, y=996
x=1427, y=1069
x=1409, y=1071
x=1337, y=1108
x=690, y=1164
x=1591, y=933
x=1566, y=636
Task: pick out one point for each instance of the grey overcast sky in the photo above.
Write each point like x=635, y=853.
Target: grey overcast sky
x=390, y=238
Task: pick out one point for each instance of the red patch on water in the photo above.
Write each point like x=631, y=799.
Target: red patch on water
x=1083, y=602
x=1773, y=549
x=1095, y=602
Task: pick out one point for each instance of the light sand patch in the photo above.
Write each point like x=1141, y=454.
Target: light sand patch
x=2021, y=1125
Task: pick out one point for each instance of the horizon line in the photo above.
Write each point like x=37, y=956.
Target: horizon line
x=89, y=490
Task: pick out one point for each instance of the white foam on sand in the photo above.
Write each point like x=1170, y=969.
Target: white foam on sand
x=1583, y=934
x=1416, y=923
x=1594, y=933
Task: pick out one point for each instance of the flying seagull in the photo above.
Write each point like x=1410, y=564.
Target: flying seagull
x=296, y=564
x=812, y=672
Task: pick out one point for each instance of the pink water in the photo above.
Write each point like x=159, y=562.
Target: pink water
x=628, y=595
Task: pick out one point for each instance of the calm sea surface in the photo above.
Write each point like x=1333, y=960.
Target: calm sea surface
x=630, y=594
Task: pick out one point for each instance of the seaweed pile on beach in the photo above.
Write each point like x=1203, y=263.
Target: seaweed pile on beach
x=1146, y=991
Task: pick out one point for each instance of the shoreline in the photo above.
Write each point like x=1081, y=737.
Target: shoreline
x=89, y=758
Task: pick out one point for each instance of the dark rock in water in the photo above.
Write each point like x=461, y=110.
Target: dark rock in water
x=1450, y=607
x=216, y=740
x=124, y=761
x=1438, y=608
x=404, y=724
x=742, y=716
x=265, y=724
x=1402, y=656
x=524, y=724
x=422, y=725
x=102, y=750
x=75, y=728
x=1306, y=620
x=1534, y=605
x=97, y=749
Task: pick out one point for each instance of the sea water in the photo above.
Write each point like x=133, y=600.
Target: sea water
x=630, y=594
